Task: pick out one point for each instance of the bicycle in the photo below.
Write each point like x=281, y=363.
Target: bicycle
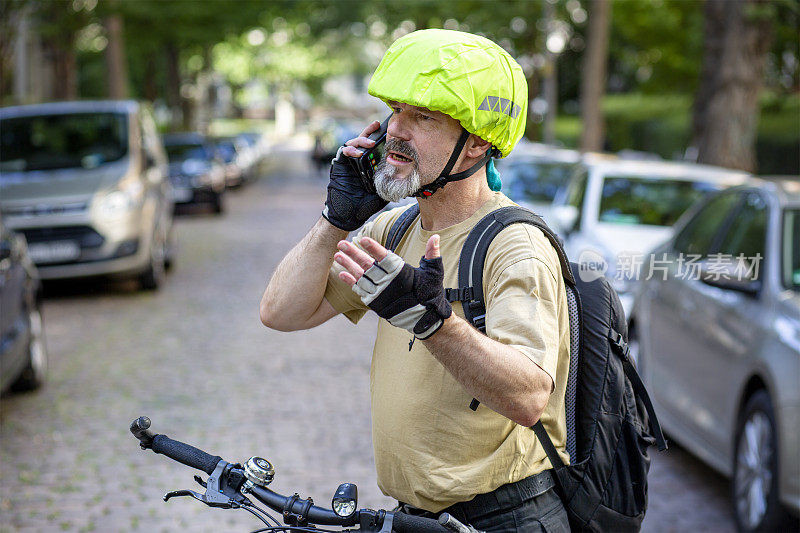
x=229, y=485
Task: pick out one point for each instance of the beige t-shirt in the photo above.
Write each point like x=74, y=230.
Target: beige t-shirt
x=431, y=449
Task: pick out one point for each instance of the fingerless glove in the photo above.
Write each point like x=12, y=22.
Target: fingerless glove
x=409, y=298
x=349, y=203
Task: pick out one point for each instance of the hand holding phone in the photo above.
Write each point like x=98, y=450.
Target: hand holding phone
x=352, y=198
x=365, y=164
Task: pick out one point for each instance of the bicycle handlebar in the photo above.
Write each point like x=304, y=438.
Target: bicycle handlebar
x=185, y=453
x=303, y=509
x=297, y=507
x=416, y=524
x=174, y=449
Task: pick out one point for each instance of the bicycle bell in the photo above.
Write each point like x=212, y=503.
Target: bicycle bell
x=259, y=471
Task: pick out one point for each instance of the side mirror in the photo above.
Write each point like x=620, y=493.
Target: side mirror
x=5, y=249
x=729, y=278
x=565, y=217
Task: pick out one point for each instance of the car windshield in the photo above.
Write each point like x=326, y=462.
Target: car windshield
x=535, y=181
x=183, y=152
x=48, y=142
x=791, y=249
x=651, y=201
x=227, y=150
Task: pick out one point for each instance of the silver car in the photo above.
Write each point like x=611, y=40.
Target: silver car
x=86, y=183
x=536, y=175
x=717, y=331
x=614, y=211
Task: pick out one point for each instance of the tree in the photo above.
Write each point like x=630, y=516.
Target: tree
x=116, y=65
x=738, y=34
x=593, y=84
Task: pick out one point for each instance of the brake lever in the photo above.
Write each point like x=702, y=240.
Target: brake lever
x=214, y=496
x=215, y=500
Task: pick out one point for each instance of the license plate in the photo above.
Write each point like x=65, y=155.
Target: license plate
x=54, y=252
x=181, y=195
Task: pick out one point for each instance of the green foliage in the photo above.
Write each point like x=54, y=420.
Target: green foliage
x=661, y=124
x=657, y=44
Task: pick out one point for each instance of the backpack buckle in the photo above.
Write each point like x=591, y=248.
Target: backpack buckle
x=622, y=346
x=460, y=294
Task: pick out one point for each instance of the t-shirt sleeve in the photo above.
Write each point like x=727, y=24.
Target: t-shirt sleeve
x=522, y=311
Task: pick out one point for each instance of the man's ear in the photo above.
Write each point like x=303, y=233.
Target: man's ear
x=476, y=146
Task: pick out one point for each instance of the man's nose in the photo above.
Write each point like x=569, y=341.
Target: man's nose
x=398, y=127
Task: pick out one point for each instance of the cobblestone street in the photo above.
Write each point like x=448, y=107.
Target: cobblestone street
x=195, y=359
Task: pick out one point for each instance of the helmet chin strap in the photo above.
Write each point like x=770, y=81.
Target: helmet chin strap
x=444, y=178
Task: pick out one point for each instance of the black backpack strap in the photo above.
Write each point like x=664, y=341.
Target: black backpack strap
x=473, y=259
x=400, y=226
x=473, y=256
x=547, y=444
x=622, y=349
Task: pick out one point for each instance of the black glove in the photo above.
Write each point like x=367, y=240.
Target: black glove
x=409, y=298
x=349, y=204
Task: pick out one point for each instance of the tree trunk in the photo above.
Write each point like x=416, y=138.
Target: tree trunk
x=116, y=66
x=65, y=72
x=593, y=82
x=174, y=100
x=738, y=36
x=150, y=84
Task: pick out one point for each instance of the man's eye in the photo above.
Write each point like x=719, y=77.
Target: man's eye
x=425, y=117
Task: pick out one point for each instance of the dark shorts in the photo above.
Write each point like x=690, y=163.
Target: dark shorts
x=529, y=505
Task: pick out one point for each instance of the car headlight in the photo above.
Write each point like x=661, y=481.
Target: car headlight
x=120, y=201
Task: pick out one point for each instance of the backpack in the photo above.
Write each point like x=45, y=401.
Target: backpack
x=610, y=419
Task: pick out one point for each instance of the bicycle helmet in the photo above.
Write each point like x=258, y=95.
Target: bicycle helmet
x=462, y=75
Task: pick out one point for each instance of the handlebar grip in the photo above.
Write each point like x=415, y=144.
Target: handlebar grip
x=406, y=523
x=186, y=454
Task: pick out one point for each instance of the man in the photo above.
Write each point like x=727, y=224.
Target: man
x=457, y=99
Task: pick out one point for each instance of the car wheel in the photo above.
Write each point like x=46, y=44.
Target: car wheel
x=152, y=278
x=170, y=251
x=216, y=203
x=34, y=374
x=755, y=468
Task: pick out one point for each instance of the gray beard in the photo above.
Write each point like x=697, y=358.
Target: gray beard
x=394, y=189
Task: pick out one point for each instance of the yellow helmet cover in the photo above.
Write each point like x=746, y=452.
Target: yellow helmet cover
x=465, y=76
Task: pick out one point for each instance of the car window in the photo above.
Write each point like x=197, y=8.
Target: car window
x=746, y=237
x=791, y=249
x=535, y=181
x=698, y=234
x=182, y=152
x=74, y=140
x=648, y=200
x=577, y=189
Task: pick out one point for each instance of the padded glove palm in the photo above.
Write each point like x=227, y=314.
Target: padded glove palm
x=409, y=298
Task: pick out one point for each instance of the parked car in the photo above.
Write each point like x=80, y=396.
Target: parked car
x=330, y=135
x=196, y=171
x=717, y=338
x=86, y=183
x=238, y=165
x=535, y=175
x=23, y=354
x=614, y=211
x=256, y=148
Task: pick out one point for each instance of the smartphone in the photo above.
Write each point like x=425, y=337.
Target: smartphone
x=366, y=163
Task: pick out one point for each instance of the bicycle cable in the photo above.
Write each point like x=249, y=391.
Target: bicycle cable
x=294, y=528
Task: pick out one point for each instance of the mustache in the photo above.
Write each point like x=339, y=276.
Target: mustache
x=402, y=147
